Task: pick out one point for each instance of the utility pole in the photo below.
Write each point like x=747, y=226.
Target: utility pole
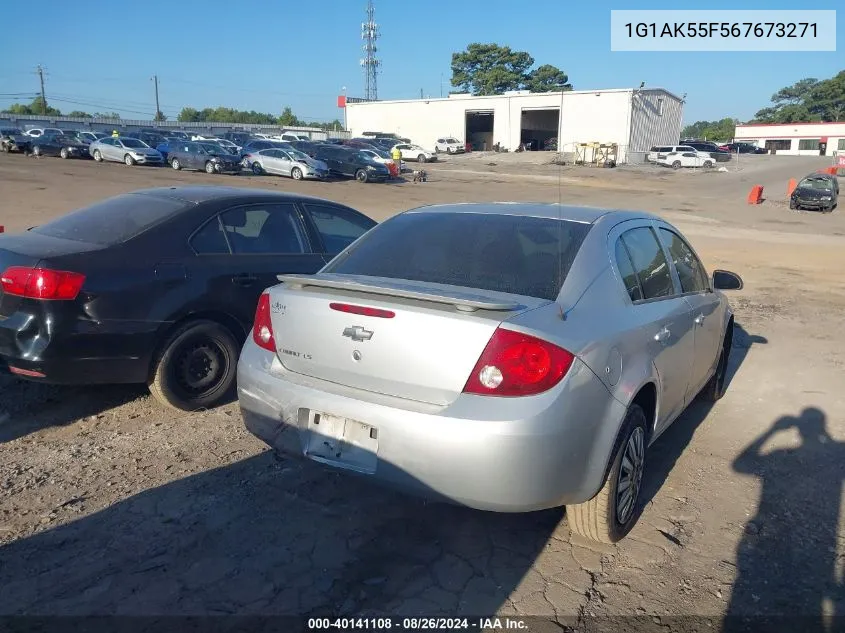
x=40, y=71
x=421, y=93
x=158, y=110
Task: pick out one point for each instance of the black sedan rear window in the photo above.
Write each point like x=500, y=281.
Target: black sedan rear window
x=505, y=253
x=113, y=220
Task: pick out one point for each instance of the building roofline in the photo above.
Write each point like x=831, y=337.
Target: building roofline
x=469, y=97
x=793, y=123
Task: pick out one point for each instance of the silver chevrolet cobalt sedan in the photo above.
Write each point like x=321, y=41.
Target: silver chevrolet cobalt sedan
x=507, y=357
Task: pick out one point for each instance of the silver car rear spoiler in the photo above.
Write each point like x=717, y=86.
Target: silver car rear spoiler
x=464, y=302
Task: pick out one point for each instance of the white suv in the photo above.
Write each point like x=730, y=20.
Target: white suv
x=660, y=152
x=450, y=145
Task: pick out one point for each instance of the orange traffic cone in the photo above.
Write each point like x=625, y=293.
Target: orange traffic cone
x=791, y=187
x=755, y=196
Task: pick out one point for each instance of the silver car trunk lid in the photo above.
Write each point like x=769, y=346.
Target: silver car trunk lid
x=425, y=351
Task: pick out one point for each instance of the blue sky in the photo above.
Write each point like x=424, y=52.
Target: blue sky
x=264, y=56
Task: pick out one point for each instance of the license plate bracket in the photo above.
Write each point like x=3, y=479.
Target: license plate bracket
x=342, y=442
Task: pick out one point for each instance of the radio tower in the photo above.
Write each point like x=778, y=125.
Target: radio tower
x=370, y=33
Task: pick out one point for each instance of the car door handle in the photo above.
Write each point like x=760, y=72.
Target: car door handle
x=244, y=279
x=663, y=335
x=699, y=319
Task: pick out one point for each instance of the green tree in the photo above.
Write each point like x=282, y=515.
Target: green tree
x=490, y=69
x=79, y=114
x=809, y=99
x=547, y=78
x=289, y=119
x=36, y=107
x=188, y=115
x=722, y=130
x=106, y=115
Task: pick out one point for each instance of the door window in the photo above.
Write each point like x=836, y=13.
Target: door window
x=264, y=229
x=626, y=270
x=649, y=263
x=210, y=239
x=690, y=269
x=338, y=227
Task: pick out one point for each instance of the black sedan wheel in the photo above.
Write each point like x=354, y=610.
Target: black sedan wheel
x=209, y=167
x=64, y=153
x=36, y=151
x=361, y=175
x=196, y=367
x=175, y=164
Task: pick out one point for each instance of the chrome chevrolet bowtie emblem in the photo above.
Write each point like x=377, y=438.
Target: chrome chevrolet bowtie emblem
x=357, y=333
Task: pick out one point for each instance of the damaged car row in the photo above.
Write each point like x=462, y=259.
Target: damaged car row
x=503, y=356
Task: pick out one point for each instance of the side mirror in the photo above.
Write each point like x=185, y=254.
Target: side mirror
x=726, y=280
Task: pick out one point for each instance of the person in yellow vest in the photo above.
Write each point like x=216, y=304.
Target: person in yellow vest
x=396, y=155
x=115, y=133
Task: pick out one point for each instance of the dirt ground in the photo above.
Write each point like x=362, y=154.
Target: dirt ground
x=110, y=505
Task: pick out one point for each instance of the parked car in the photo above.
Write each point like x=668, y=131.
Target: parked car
x=415, y=153
x=564, y=341
x=180, y=134
x=344, y=161
x=659, y=152
x=227, y=146
x=332, y=141
x=286, y=162
x=13, y=139
x=86, y=136
x=816, y=191
x=257, y=145
x=360, y=143
x=676, y=160
x=290, y=137
x=238, y=138
x=719, y=155
x=157, y=286
x=35, y=132
x=306, y=147
x=62, y=145
x=150, y=137
x=743, y=148
x=450, y=145
x=384, y=158
x=205, y=157
x=130, y=151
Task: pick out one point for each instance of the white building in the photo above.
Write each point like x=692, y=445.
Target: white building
x=796, y=139
x=635, y=120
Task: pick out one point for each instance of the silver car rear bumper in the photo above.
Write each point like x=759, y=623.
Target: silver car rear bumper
x=499, y=454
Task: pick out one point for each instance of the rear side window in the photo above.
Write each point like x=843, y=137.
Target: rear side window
x=338, y=227
x=690, y=269
x=505, y=253
x=629, y=275
x=112, y=221
x=649, y=263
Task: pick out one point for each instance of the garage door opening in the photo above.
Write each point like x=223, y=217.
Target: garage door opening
x=539, y=129
x=479, y=130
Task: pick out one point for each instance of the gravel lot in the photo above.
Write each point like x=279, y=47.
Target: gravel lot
x=110, y=505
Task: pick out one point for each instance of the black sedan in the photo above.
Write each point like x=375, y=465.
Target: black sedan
x=158, y=286
x=61, y=145
x=13, y=139
x=816, y=191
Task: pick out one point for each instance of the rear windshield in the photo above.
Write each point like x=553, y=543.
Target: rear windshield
x=113, y=220
x=503, y=253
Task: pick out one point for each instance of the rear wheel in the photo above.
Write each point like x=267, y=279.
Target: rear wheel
x=195, y=368
x=176, y=164
x=708, y=163
x=361, y=175
x=611, y=514
x=128, y=160
x=64, y=153
x=421, y=158
x=257, y=169
x=296, y=173
x=676, y=164
x=98, y=156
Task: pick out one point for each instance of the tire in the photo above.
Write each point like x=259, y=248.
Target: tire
x=676, y=164
x=448, y=150
x=792, y=205
x=599, y=518
x=257, y=169
x=436, y=149
x=6, y=148
x=64, y=153
x=209, y=167
x=361, y=175
x=296, y=173
x=36, y=151
x=716, y=386
x=175, y=164
x=421, y=158
x=197, y=346
x=708, y=164
x=98, y=156
x=128, y=160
